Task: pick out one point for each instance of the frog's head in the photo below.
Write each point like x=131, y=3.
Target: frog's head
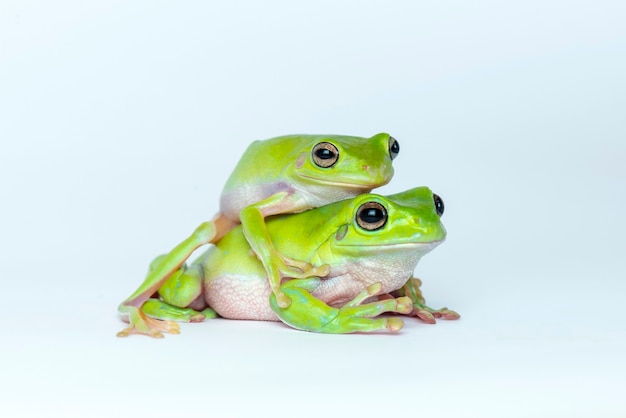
x=409, y=220
x=348, y=162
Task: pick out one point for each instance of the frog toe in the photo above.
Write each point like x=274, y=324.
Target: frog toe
x=429, y=315
x=298, y=269
x=282, y=300
x=404, y=305
x=319, y=271
x=394, y=324
x=425, y=316
x=208, y=313
x=448, y=314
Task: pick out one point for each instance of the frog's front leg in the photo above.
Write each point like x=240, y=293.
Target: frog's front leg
x=277, y=265
x=162, y=269
x=310, y=314
x=412, y=290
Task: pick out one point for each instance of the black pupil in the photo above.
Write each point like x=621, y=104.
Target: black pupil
x=395, y=147
x=438, y=205
x=371, y=215
x=324, y=154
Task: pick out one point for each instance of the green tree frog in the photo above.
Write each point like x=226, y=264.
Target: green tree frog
x=287, y=174
x=371, y=244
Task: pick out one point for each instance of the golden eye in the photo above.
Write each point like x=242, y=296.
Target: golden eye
x=371, y=216
x=394, y=147
x=325, y=154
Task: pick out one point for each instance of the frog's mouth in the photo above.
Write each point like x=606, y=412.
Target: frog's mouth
x=421, y=247
x=365, y=187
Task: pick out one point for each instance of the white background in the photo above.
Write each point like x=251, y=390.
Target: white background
x=120, y=121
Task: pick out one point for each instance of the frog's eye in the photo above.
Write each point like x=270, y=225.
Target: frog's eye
x=371, y=216
x=394, y=147
x=439, y=207
x=325, y=154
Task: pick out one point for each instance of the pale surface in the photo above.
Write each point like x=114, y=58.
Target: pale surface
x=119, y=125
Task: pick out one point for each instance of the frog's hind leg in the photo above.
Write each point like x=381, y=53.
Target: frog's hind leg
x=180, y=300
x=162, y=269
x=181, y=297
x=427, y=314
x=141, y=324
x=156, y=308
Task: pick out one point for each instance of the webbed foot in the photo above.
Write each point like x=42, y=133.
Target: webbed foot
x=420, y=309
x=283, y=266
x=141, y=324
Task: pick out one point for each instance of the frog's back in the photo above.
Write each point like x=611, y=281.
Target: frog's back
x=264, y=161
x=260, y=172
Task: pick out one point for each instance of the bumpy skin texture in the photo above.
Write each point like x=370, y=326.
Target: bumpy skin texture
x=274, y=176
x=362, y=264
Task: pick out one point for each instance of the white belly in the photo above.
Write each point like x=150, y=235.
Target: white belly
x=235, y=297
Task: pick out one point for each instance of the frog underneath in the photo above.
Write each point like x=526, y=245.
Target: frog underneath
x=371, y=244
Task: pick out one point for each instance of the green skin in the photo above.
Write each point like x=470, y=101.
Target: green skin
x=274, y=176
x=365, y=267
